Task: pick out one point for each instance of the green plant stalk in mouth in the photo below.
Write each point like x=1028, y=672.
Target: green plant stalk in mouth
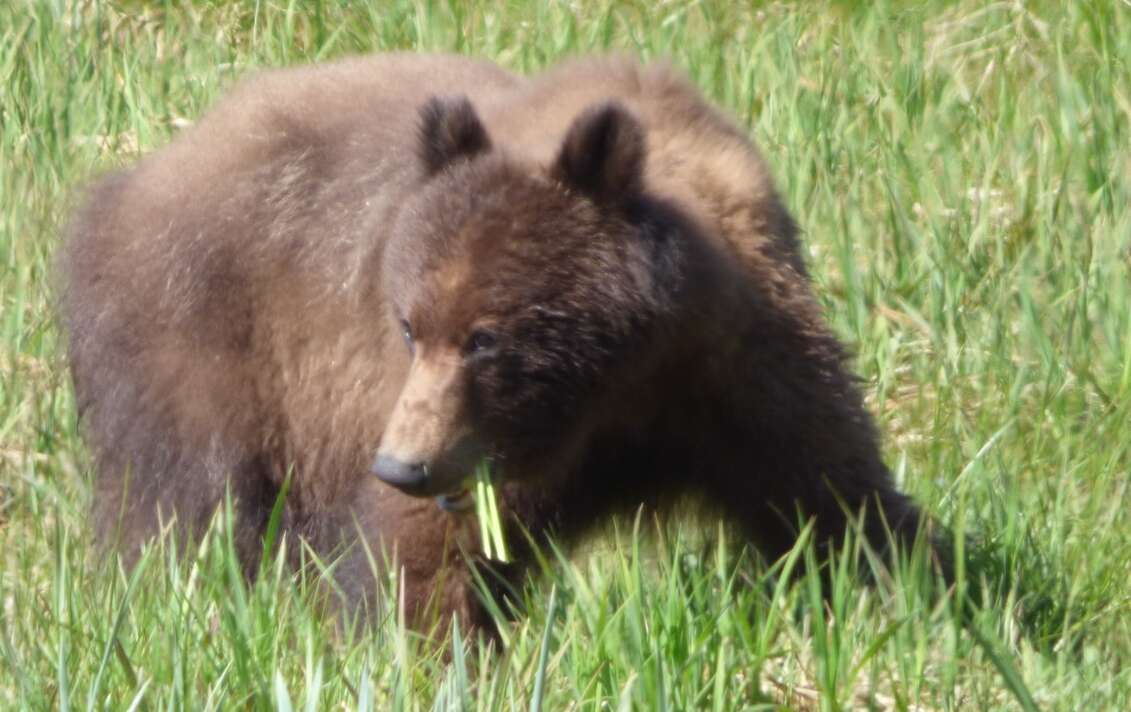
x=487, y=512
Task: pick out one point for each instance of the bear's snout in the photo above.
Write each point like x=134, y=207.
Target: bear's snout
x=428, y=447
x=410, y=478
x=420, y=478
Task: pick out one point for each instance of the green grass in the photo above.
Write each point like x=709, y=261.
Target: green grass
x=962, y=173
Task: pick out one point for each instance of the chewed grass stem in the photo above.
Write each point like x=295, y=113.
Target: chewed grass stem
x=487, y=512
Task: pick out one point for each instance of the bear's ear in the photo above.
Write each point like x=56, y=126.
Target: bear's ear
x=449, y=129
x=603, y=154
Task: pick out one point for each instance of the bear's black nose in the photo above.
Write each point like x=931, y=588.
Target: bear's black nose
x=407, y=477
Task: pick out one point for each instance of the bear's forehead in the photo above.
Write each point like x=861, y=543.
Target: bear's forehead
x=451, y=276
x=524, y=242
x=505, y=275
x=491, y=239
x=495, y=197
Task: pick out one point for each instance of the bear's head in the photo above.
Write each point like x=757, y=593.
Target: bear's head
x=526, y=293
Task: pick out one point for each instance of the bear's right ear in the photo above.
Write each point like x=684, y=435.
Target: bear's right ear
x=449, y=129
x=603, y=154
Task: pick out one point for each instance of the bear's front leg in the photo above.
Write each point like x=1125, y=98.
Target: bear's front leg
x=804, y=449
x=421, y=552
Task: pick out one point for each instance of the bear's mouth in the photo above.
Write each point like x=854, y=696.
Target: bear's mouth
x=459, y=501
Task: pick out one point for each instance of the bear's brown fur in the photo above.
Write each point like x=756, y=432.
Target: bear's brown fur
x=407, y=263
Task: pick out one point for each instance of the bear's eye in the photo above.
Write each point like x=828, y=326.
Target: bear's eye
x=406, y=332
x=480, y=342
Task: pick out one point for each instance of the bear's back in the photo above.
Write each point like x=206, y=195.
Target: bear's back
x=348, y=121
x=697, y=158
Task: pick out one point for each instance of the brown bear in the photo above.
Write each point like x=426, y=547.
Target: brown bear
x=369, y=276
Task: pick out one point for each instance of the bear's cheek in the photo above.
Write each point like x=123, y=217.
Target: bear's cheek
x=526, y=425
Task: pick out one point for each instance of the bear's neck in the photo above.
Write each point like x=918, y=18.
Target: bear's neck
x=733, y=364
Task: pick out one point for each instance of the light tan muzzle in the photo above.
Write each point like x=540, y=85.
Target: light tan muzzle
x=422, y=448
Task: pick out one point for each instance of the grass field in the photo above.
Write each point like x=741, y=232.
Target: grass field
x=962, y=173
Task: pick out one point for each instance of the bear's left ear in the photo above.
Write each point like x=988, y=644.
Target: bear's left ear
x=603, y=154
x=449, y=129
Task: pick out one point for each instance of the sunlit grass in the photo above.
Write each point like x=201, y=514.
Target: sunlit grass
x=961, y=173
